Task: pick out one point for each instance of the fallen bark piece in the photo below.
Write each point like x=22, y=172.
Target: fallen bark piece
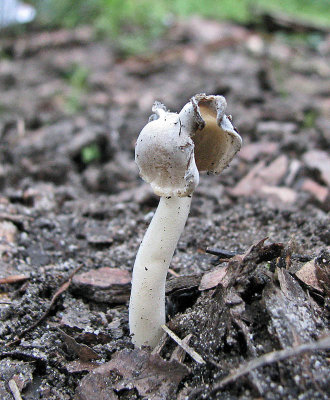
x=153, y=377
x=292, y=320
x=103, y=285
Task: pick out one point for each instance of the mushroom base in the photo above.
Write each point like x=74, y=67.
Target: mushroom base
x=147, y=302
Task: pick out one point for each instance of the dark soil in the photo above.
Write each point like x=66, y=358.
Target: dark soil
x=71, y=197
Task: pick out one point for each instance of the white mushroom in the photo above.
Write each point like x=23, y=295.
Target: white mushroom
x=170, y=152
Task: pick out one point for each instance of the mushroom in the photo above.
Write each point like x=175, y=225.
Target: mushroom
x=170, y=152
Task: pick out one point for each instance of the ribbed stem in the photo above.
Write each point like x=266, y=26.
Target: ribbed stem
x=147, y=303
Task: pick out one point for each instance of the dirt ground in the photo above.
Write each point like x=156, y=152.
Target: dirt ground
x=73, y=211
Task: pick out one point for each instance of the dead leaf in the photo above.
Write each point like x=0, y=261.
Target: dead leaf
x=153, y=377
x=307, y=274
x=213, y=278
x=84, y=352
x=95, y=386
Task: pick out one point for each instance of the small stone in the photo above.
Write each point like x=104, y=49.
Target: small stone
x=320, y=160
x=315, y=189
x=276, y=127
x=284, y=194
x=252, y=151
x=260, y=176
x=8, y=231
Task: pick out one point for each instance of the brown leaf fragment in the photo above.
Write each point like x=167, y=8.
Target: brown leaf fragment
x=213, y=278
x=307, y=274
x=84, y=352
x=103, y=285
x=153, y=377
x=96, y=386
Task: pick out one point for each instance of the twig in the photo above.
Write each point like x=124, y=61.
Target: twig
x=272, y=357
x=61, y=289
x=221, y=252
x=179, y=353
x=193, y=354
x=172, y=272
x=13, y=279
x=14, y=390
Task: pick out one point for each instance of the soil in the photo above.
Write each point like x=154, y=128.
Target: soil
x=73, y=211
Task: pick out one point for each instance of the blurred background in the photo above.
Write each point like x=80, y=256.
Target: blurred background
x=133, y=24
x=78, y=80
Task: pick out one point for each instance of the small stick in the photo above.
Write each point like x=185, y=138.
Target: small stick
x=193, y=354
x=172, y=272
x=272, y=357
x=221, y=252
x=179, y=353
x=13, y=279
x=14, y=390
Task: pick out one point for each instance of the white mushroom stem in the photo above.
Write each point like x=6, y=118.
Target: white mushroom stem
x=147, y=303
